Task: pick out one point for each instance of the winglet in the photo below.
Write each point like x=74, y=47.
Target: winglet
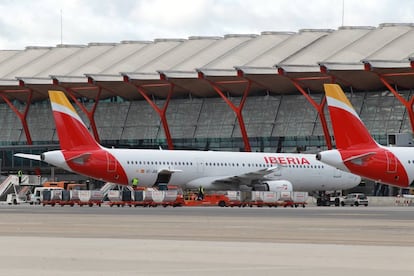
x=349, y=131
x=73, y=133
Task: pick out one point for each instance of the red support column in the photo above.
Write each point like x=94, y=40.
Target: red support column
x=22, y=116
x=90, y=114
x=320, y=109
x=161, y=111
x=237, y=110
x=408, y=104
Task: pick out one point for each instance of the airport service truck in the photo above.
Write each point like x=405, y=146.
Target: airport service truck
x=37, y=196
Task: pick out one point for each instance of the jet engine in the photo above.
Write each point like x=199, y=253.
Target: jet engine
x=276, y=186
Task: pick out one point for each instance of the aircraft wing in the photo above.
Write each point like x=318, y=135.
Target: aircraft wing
x=250, y=176
x=28, y=156
x=233, y=181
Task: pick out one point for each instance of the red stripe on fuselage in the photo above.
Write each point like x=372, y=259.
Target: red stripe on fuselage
x=383, y=166
x=99, y=165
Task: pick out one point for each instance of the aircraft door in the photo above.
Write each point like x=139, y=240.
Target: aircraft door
x=391, y=162
x=163, y=178
x=200, y=166
x=110, y=162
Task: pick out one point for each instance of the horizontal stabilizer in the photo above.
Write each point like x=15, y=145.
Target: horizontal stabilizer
x=28, y=156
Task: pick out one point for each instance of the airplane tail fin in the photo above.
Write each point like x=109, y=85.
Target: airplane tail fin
x=72, y=132
x=349, y=131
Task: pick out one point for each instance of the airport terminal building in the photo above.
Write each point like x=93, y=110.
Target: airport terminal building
x=237, y=92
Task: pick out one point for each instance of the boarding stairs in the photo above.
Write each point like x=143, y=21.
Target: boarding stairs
x=11, y=184
x=7, y=186
x=109, y=186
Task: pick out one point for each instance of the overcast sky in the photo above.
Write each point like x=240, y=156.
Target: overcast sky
x=39, y=23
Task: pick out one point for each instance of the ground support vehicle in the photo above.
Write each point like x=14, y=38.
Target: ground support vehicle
x=356, y=199
x=275, y=199
x=208, y=200
x=37, y=197
x=67, y=199
x=404, y=200
x=298, y=199
x=265, y=198
x=328, y=199
x=145, y=198
x=87, y=197
x=51, y=196
x=66, y=185
x=336, y=201
x=122, y=198
x=235, y=199
x=119, y=198
x=15, y=199
x=172, y=198
x=251, y=199
x=76, y=197
x=324, y=199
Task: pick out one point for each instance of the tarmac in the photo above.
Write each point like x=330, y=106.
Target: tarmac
x=39, y=240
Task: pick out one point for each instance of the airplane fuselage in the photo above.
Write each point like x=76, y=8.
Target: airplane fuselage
x=201, y=168
x=387, y=165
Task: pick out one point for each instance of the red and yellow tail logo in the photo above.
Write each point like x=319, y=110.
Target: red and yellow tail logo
x=349, y=131
x=73, y=133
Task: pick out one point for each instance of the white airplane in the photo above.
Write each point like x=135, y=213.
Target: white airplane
x=214, y=170
x=358, y=152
